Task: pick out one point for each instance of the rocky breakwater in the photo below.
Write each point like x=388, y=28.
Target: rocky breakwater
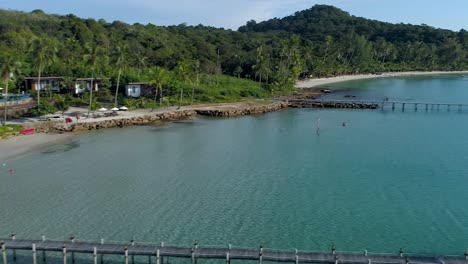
x=85, y=125
x=332, y=104
x=240, y=111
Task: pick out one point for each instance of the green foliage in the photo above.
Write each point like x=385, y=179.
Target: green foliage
x=10, y=129
x=43, y=109
x=61, y=103
x=321, y=41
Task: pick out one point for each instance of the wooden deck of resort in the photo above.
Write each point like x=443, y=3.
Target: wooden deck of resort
x=383, y=105
x=156, y=252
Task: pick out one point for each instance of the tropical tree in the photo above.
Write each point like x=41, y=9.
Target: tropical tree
x=9, y=65
x=196, y=66
x=121, y=64
x=43, y=52
x=160, y=78
x=91, y=59
x=184, y=71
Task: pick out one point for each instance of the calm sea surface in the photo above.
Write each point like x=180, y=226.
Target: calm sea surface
x=384, y=181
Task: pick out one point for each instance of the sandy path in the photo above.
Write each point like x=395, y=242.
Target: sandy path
x=324, y=81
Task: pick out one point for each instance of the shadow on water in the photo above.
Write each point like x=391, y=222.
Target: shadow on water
x=64, y=147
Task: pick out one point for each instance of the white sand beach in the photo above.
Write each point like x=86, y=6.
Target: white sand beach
x=310, y=83
x=21, y=144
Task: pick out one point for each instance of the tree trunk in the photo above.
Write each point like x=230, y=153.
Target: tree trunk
x=91, y=96
x=160, y=94
x=117, y=89
x=193, y=90
x=38, y=89
x=5, y=109
x=181, y=95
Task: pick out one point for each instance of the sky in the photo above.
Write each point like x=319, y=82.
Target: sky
x=449, y=14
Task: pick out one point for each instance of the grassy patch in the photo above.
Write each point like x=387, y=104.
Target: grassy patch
x=10, y=130
x=222, y=89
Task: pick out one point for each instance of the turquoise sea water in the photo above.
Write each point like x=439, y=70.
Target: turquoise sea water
x=384, y=181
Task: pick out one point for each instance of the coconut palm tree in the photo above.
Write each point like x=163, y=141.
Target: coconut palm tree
x=184, y=71
x=91, y=59
x=9, y=65
x=121, y=64
x=43, y=52
x=160, y=78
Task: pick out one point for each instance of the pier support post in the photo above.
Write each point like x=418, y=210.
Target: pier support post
x=369, y=261
x=126, y=255
x=102, y=258
x=415, y=107
x=403, y=107
x=427, y=107
x=193, y=255
x=95, y=255
x=34, y=253
x=336, y=259
x=297, y=259
x=4, y=256
x=466, y=255
x=227, y=258
x=149, y=259
x=158, y=258
x=260, y=254
x=64, y=250
x=448, y=108
x=72, y=240
x=365, y=252
x=333, y=249
x=393, y=106
x=44, y=256
x=401, y=252
x=13, y=237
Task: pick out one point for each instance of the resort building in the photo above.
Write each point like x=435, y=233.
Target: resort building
x=84, y=84
x=137, y=89
x=45, y=84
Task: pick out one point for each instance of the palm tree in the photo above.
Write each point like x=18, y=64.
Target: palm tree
x=121, y=63
x=197, y=76
x=160, y=78
x=43, y=52
x=9, y=66
x=91, y=59
x=184, y=71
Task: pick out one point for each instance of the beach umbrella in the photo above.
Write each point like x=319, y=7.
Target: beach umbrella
x=102, y=109
x=123, y=108
x=115, y=109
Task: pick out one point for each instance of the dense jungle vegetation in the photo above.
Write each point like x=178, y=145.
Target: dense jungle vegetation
x=206, y=64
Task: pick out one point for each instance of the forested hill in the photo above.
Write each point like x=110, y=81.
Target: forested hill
x=320, y=41
x=341, y=39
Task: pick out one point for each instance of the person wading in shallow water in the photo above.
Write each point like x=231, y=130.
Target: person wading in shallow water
x=318, y=127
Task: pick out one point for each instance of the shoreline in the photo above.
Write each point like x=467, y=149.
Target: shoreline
x=48, y=132
x=17, y=145
x=313, y=83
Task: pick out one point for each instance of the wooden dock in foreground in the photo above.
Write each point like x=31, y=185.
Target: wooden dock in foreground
x=155, y=253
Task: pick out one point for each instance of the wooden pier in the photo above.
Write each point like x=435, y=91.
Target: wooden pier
x=382, y=105
x=156, y=252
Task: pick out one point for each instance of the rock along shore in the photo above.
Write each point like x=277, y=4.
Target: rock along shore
x=150, y=118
